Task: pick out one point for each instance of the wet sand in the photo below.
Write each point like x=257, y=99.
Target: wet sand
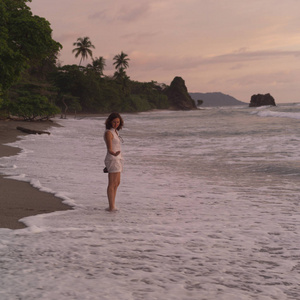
x=19, y=199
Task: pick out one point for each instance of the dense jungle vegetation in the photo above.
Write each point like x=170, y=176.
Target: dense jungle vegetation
x=34, y=86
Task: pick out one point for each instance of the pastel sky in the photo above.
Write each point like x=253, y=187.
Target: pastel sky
x=237, y=47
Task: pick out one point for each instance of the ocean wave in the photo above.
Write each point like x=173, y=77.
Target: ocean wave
x=208, y=202
x=277, y=114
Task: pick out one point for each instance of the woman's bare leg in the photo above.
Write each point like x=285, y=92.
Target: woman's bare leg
x=113, y=183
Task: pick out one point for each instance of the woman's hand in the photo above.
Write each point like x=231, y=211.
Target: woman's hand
x=114, y=153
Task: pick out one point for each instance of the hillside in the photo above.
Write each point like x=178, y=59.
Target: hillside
x=216, y=99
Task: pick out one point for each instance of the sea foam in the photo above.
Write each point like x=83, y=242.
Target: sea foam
x=208, y=207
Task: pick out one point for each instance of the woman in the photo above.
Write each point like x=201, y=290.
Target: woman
x=114, y=159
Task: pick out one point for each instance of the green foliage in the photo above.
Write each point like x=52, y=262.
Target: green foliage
x=80, y=87
x=199, y=102
x=97, y=66
x=1, y=103
x=31, y=107
x=24, y=38
x=31, y=83
x=95, y=94
x=11, y=62
x=152, y=93
x=135, y=103
x=68, y=103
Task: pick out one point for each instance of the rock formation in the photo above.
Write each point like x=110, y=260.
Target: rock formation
x=178, y=95
x=261, y=100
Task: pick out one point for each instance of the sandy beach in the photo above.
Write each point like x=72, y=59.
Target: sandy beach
x=19, y=199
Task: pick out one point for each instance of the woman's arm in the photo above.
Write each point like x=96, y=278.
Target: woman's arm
x=108, y=140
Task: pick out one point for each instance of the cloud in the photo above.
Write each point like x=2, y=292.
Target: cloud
x=128, y=13
x=237, y=59
x=134, y=12
x=264, y=79
x=246, y=56
x=140, y=37
x=102, y=15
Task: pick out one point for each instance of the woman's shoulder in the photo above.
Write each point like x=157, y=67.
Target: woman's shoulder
x=109, y=132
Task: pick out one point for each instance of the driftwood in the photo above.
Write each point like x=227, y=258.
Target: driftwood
x=31, y=131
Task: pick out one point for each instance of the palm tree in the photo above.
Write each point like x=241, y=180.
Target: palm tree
x=121, y=77
x=83, y=46
x=97, y=65
x=121, y=61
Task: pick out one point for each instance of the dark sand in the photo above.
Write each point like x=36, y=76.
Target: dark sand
x=19, y=199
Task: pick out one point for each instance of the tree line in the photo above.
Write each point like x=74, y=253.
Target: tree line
x=34, y=86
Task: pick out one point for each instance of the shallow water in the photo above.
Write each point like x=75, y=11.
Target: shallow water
x=208, y=209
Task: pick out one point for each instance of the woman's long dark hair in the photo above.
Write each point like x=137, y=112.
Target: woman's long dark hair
x=111, y=117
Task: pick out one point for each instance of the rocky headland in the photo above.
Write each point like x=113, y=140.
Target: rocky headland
x=178, y=95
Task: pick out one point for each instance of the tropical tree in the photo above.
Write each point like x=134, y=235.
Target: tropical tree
x=121, y=61
x=121, y=77
x=25, y=39
x=31, y=107
x=83, y=46
x=97, y=65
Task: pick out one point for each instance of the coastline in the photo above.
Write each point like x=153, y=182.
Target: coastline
x=19, y=199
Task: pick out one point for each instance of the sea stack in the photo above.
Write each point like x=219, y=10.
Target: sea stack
x=178, y=95
x=261, y=100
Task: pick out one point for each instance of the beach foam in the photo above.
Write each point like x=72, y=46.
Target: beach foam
x=208, y=207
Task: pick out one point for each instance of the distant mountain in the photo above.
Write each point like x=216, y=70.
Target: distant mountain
x=215, y=99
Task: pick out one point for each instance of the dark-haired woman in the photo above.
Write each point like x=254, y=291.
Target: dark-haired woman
x=114, y=159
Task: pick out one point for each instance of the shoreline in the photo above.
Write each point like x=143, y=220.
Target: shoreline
x=19, y=199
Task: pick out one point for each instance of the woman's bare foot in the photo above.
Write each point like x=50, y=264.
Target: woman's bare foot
x=111, y=210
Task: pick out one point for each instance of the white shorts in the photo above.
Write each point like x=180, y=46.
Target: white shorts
x=114, y=165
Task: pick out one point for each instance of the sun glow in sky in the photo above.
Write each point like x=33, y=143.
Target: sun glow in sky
x=237, y=47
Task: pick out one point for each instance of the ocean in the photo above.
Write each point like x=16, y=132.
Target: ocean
x=208, y=208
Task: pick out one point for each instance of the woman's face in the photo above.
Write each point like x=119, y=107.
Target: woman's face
x=115, y=123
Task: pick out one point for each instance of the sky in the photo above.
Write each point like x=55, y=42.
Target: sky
x=237, y=47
